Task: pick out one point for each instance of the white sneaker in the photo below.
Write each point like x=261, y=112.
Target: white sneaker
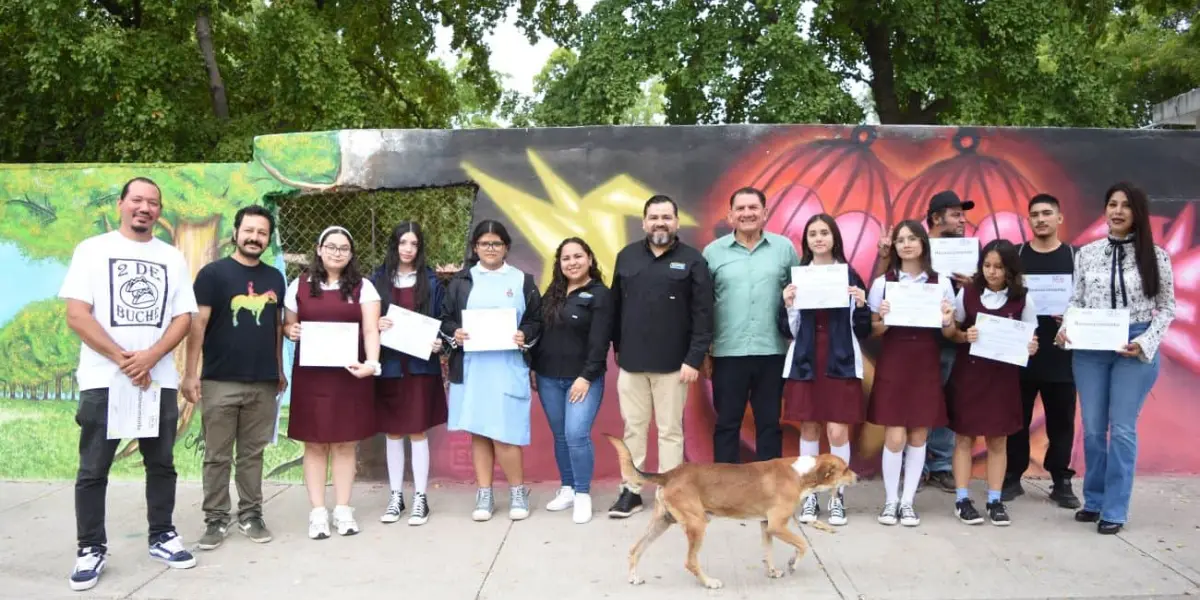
x=343, y=518
x=583, y=508
x=563, y=499
x=318, y=524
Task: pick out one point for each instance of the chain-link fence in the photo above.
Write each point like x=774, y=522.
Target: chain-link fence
x=443, y=212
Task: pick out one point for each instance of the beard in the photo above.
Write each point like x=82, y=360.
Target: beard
x=660, y=238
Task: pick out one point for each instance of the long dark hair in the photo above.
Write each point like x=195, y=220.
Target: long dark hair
x=391, y=262
x=556, y=294
x=1143, y=236
x=1013, y=279
x=806, y=253
x=487, y=226
x=351, y=275
x=918, y=230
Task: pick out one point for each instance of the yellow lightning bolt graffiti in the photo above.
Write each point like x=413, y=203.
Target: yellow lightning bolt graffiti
x=598, y=217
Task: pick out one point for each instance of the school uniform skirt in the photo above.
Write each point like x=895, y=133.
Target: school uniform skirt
x=907, y=391
x=985, y=396
x=409, y=404
x=823, y=399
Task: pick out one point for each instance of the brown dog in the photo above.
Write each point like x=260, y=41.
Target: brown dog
x=767, y=491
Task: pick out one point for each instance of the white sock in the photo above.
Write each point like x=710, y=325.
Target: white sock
x=842, y=452
x=914, y=462
x=395, y=463
x=808, y=448
x=891, y=475
x=420, y=463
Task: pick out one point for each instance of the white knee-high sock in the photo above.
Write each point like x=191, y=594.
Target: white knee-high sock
x=891, y=474
x=914, y=463
x=420, y=463
x=395, y=463
x=808, y=448
x=842, y=452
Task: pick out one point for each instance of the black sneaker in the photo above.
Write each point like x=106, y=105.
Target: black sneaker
x=997, y=514
x=1011, y=490
x=1062, y=494
x=420, y=510
x=627, y=504
x=214, y=534
x=1087, y=516
x=942, y=480
x=255, y=529
x=965, y=511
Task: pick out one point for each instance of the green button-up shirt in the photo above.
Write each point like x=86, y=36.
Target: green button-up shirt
x=748, y=286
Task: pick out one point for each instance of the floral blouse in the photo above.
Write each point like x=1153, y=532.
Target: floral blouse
x=1097, y=286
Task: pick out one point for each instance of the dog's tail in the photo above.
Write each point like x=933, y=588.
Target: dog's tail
x=629, y=472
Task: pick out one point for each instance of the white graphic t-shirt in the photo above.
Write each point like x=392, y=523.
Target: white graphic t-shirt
x=135, y=289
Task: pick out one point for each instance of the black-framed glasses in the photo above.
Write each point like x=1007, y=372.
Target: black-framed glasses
x=489, y=245
x=336, y=250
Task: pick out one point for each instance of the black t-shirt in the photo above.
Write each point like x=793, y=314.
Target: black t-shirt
x=1051, y=363
x=241, y=336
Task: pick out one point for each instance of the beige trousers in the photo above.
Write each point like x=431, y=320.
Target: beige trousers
x=661, y=395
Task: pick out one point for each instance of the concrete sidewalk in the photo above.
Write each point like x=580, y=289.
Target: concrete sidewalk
x=1044, y=554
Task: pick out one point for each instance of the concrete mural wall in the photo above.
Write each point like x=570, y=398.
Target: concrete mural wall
x=591, y=182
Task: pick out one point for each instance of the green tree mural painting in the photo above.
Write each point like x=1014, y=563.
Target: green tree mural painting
x=49, y=209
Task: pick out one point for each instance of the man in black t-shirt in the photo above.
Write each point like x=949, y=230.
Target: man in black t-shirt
x=240, y=331
x=1048, y=264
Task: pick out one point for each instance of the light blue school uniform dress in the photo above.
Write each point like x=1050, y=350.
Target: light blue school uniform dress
x=494, y=398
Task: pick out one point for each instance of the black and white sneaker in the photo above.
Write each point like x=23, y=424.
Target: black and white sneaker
x=89, y=563
x=965, y=511
x=394, y=508
x=627, y=504
x=890, y=513
x=420, y=510
x=998, y=514
x=909, y=516
x=837, y=509
x=810, y=511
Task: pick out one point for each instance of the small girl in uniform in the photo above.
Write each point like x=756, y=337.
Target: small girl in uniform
x=985, y=398
x=906, y=396
x=824, y=367
x=410, y=398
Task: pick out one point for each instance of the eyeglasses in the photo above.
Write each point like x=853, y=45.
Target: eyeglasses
x=336, y=250
x=489, y=245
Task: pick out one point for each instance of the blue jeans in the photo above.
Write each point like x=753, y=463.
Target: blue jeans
x=939, y=446
x=571, y=424
x=1112, y=389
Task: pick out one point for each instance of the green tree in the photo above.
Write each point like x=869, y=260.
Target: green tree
x=719, y=62
x=1001, y=62
x=196, y=80
x=646, y=107
x=41, y=352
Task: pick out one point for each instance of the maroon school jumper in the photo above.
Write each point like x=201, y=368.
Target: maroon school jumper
x=985, y=396
x=329, y=404
x=412, y=403
x=907, y=391
x=823, y=399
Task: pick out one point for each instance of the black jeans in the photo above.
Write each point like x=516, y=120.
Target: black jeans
x=736, y=379
x=1058, y=404
x=96, y=453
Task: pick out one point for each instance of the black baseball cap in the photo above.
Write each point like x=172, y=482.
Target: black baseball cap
x=947, y=199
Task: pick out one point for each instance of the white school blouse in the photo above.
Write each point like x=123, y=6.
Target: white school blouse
x=1098, y=285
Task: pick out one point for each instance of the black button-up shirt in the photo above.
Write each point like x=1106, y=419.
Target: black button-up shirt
x=663, y=308
x=576, y=344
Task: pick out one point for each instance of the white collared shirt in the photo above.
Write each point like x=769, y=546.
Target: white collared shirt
x=404, y=280
x=993, y=300
x=875, y=296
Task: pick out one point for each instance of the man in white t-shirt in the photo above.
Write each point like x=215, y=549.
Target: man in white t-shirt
x=130, y=300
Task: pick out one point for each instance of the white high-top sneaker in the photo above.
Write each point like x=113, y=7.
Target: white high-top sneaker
x=563, y=499
x=583, y=508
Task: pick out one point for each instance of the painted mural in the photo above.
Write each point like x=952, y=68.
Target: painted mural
x=592, y=182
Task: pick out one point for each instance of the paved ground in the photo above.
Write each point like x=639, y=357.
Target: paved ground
x=1044, y=554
